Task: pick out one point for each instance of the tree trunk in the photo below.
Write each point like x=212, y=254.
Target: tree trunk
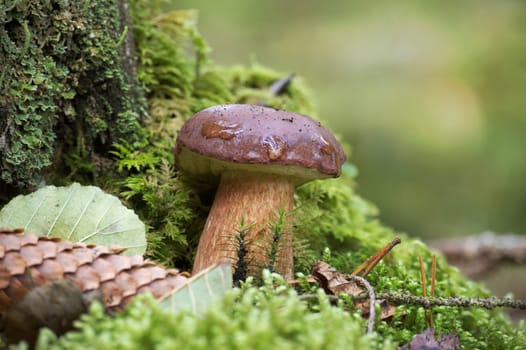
x=68, y=88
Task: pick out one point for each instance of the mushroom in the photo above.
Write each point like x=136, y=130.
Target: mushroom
x=259, y=154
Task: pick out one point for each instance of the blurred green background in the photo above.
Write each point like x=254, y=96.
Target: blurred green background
x=431, y=96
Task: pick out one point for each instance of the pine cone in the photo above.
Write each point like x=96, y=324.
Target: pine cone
x=28, y=261
x=55, y=305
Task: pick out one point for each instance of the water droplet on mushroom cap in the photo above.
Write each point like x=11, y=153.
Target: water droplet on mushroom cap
x=220, y=129
x=326, y=147
x=275, y=146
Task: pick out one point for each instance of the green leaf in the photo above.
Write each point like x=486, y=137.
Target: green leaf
x=201, y=290
x=79, y=214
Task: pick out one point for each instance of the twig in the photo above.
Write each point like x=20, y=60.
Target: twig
x=371, y=262
x=372, y=300
x=278, y=87
x=422, y=276
x=487, y=303
x=333, y=298
x=433, y=280
x=397, y=298
x=424, y=289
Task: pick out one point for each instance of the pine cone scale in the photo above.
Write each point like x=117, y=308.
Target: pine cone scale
x=84, y=255
x=141, y=275
x=32, y=255
x=16, y=263
x=105, y=269
x=49, y=248
x=120, y=262
x=111, y=294
x=5, y=276
x=50, y=270
x=67, y=261
x=127, y=283
x=10, y=243
x=16, y=287
x=87, y=278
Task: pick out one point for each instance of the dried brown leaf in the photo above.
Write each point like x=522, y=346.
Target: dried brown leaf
x=427, y=341
x=336, y=283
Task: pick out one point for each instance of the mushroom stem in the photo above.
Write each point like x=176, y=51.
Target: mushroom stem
x=255, y=198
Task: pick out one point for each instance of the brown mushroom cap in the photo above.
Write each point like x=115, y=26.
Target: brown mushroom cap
x=240, y=137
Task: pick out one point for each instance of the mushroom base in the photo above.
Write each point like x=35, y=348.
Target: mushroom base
x=255, y=199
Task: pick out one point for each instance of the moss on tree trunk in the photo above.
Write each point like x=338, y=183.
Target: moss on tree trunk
x=68, y=86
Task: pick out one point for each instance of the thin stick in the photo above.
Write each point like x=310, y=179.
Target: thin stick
x=433, y=280
x=364, y=265
x=400, y=298
x=372, y=261
x=433, y=275
x=424, y=289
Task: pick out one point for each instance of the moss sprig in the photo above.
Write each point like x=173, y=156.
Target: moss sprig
x=241, y=245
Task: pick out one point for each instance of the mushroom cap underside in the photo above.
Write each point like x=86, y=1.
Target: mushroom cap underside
x=259, y=139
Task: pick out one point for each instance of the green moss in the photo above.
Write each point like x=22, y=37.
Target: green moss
x=63, y=91
x=246, y=318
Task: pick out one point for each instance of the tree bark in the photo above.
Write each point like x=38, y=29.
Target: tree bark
x=479, y=254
